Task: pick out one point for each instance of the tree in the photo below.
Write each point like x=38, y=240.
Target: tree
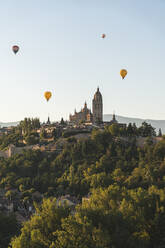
x=130, y=130
x=10, y=194
x=43, y=134
x=160, y=133
x=114, y=129
x=31, y=139
x=42, y=226
x=27, y=125
x=62, y=122
x=146, y=130
x=159, y=150
x=8, y=228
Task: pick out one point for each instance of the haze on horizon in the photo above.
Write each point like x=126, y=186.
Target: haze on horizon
x=61, y=50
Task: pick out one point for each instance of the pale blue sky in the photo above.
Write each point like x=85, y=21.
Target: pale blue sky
x=61, y=50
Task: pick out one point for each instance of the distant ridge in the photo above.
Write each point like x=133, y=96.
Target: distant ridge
x=155, y=123
x=9, y=124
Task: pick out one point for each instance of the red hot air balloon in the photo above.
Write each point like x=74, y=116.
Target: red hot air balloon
x=103, y=36
x=15, y=49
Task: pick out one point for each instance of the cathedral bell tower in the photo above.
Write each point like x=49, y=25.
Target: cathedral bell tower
x=97, y=107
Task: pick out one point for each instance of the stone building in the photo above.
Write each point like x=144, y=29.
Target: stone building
x=97, y=107
x=114, y=121
x=85, y=115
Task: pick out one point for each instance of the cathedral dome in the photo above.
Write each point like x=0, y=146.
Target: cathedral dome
x=97, y=95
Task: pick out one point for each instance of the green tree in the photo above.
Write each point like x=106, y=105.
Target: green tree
x=31, y=139
x=159, y=150
x=160, y=133
x=146, y=130
x=8, y=228
x=43, y=134
x=114, y=129
x=40, y=230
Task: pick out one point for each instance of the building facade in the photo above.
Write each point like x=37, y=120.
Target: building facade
x=85, y=115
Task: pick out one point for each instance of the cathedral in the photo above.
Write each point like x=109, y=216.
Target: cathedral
x=85, y=115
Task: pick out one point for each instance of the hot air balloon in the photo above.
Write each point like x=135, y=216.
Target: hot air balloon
x=47, y=95
x=123, y=73
x=103, y=36
x=15, y=49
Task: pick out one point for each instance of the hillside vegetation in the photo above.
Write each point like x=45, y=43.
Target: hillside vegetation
x=120, y=187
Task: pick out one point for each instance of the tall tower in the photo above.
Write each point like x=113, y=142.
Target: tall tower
x=97, y=107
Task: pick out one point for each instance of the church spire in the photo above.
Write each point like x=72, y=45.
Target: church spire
x=48, y=121
x=114, y=117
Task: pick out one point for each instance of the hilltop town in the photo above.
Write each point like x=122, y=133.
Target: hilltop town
x=67, y=159
x=51, y=137
x=45, y=135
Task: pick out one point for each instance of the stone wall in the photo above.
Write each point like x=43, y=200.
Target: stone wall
x=12, y=150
